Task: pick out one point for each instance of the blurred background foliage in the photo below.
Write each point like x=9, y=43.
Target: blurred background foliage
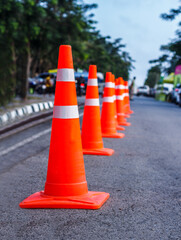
x=31, y=32
x=153, y=76
x=172, y=52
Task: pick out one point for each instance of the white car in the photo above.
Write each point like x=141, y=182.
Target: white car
x=163, y=90
x=143, y=90
x=177, y=91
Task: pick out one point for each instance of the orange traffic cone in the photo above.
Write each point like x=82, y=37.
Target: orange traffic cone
x=92, y=142
x=114, y=96
x=127, y=102
x=108, y=122
x=122, y=87
x=66, y=185
x=120, y=103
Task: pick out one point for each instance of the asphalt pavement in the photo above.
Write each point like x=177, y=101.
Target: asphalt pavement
x=143, y=178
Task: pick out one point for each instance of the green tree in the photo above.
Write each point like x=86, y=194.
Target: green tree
x=108, y=56
x=31, y=32
x=153, y=76
x=172, y=51
x=9, y=15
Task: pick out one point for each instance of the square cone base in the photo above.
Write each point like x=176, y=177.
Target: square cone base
x=120, y=128
x=101, y=151
x=127, y=124
x=113, y=135
x=90, y=200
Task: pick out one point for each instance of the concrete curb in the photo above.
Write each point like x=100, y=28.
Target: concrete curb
x=20, y=113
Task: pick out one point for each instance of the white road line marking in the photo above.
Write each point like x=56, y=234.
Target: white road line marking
x=30, y=139
x=24, y=142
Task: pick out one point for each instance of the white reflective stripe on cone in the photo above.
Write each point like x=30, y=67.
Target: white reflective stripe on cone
x=114, y=97
x=126, y=94
x=65, y=112
x=65, y=75
x=92, y=102
x=119, y=97
x=92, y=82
x=108, y=99
x=120, y=87
x=109, y=85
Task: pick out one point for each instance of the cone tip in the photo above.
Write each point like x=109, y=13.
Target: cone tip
x=92, y=71
x=108, y=77
x=65, y=57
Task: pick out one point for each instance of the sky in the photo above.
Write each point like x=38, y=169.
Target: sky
x=139, y=24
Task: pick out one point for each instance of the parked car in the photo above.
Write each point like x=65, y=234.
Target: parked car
x=143, y=90
x=81, y=80
x=152, y=92
x=175, y=94
x=179, y=99
x=162, y=93
x=178, y=94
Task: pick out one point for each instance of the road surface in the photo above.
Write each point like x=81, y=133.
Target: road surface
x=143, y=178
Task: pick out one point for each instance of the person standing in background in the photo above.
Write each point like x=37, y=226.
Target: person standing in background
x=49, y=85
x=131, y=89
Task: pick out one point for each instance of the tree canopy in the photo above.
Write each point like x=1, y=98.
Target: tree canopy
x=153, y=76
x=31, y=32
x=172, y=51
